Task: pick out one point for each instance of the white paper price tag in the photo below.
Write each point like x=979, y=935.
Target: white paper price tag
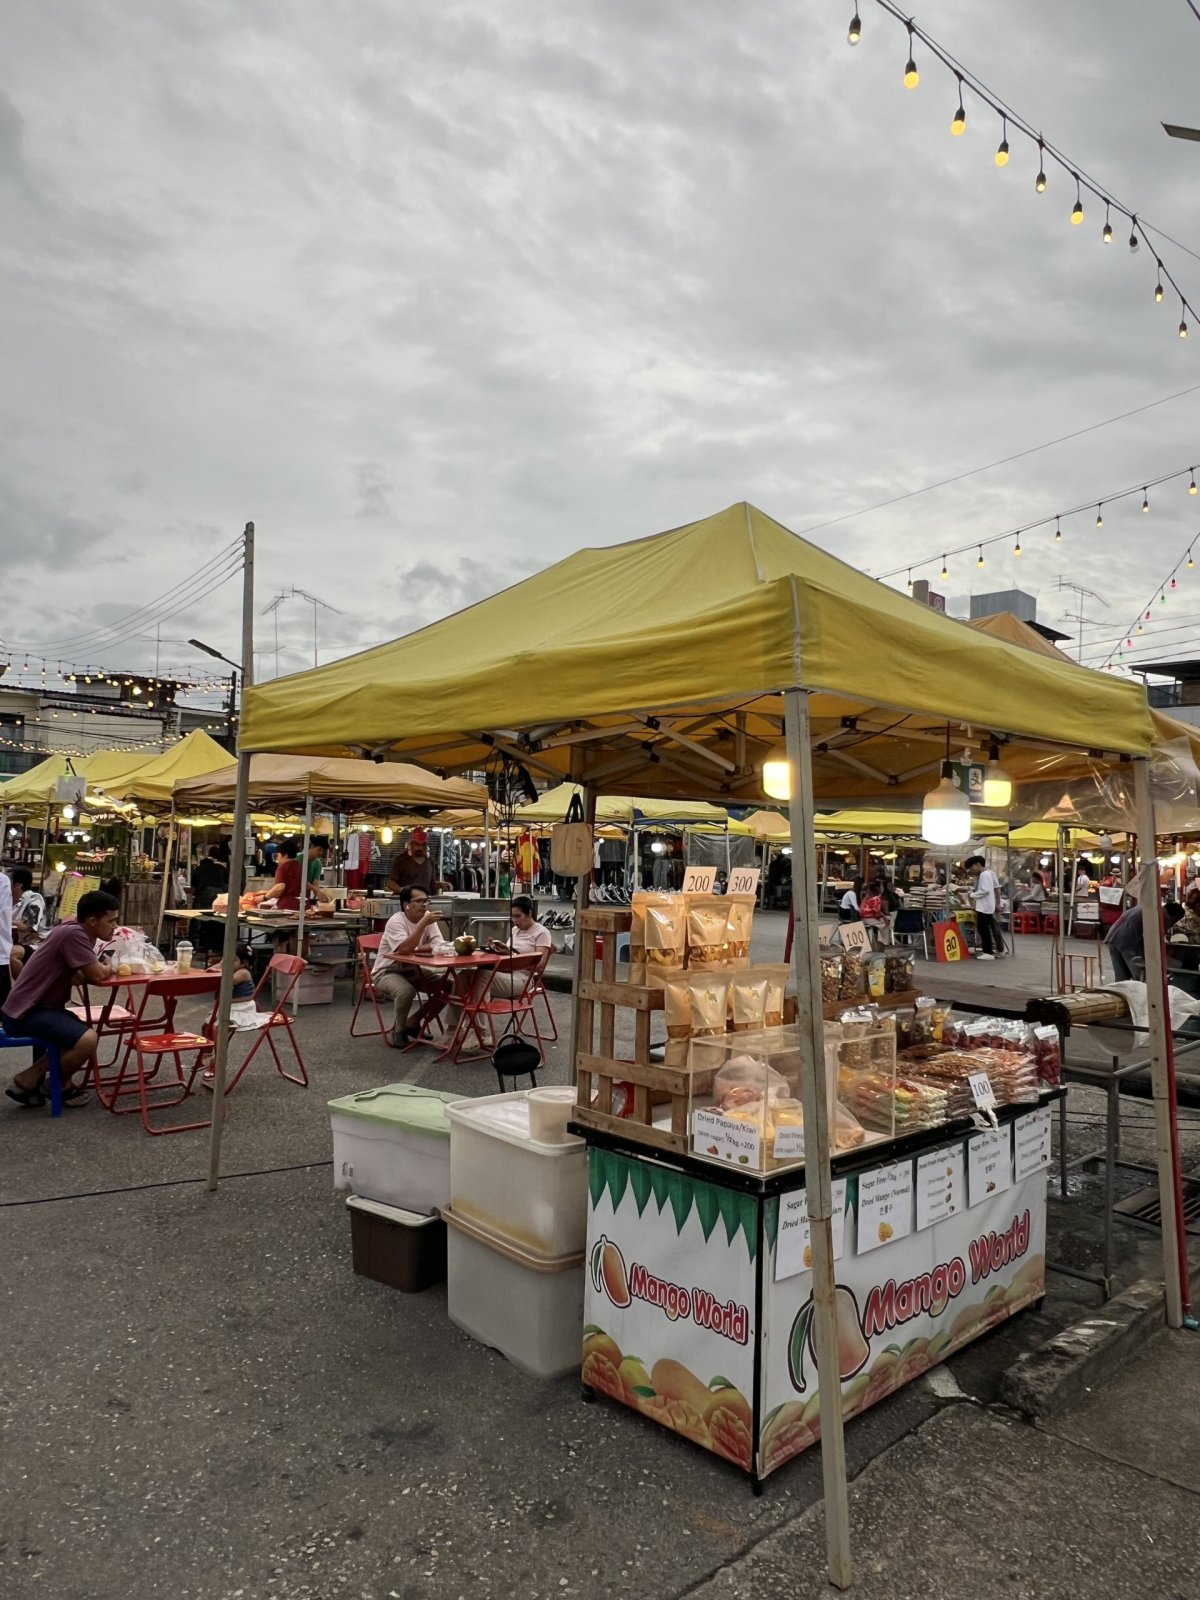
x=981, y=1089
x=724, y=1139
x=699, y=880
x=793, y=1250
x=789, y=1144
x=854, y=936
x=744, y=880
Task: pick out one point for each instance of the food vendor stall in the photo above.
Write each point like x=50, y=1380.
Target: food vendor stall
x=730, y=660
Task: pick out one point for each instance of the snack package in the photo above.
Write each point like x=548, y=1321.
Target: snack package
x=708, y=998
x=677, y=1005
x=774, y=1006
x=899, y=965
x=831, y=973
x=748, y=1000
x=875, y=970
x=923, y=1020
x=1047, y=1053
x=706, y=933
x=854, y=980
x=746, y=1081
x=660, y=920
x=739, y=922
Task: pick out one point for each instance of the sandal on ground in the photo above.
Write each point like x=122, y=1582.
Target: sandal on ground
x=31, y=1098
x=78, y=1096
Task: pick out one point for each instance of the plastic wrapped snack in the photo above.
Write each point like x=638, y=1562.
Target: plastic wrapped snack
x=706, y=930
x=747, y=1000
x=831, y=973
x=923, y=1020
x=739, y=924
x=854, y=977
x=1047, y=1053
x=708, y=997
x=745, y=1080
x=899, y=966
x=677, y=1006
x=774, y=1008
x=845, y=1132
x=664, y=931
x=875, y=972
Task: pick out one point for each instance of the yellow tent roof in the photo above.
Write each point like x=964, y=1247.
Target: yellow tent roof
x=684, y=640
x=891, y=824
x=341, y=785
x=1004, y=625
x=768, y=826
x=1044, y=836
x=154, y=781
x=36, y=787
x=552, y=807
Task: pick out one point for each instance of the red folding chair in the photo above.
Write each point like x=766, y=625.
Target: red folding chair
x=368, y=949
x=155, y=1047
x=477, y=1013
x=537, y=991
x=292, y=967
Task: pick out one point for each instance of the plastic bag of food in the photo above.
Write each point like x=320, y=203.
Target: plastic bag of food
x=708, y=998
x=677, y=1005
x=748, y=1000
x=706, y=949
x=831, y=973
x=657, y=933
x=1047, y=1053
x=875, y=971
x=746, y=1079
x=775, y=1003
x=854, y=978
x=923, y=1019
x=899, y=966
x=739, y=924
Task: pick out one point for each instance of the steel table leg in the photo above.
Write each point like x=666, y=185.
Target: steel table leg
x=1062, y=1146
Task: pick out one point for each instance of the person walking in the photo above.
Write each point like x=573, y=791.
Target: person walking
x=985, y=897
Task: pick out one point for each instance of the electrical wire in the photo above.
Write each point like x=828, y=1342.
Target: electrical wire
x=73, y=641
x=1004, y=461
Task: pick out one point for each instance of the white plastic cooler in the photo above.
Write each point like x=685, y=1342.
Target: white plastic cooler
x=393, y=1145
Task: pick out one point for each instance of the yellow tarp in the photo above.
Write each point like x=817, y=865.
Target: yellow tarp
x=36, y=787
x=1004, y=625
x=768, y=827
x=553, y=805
x=891, y=824
x=154, y=782
x=1044, y=836
x=714, y=619
x=341, y=785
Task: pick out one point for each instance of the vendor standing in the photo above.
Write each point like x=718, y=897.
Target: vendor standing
x=985, y=897
x=413, y=868
x=1126, y=939
x=318, y=854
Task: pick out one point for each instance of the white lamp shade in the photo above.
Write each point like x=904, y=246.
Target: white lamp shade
x=777, y=777
x=946, y=814
x=997, y=787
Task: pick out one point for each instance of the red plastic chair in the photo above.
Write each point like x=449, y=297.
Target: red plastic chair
x=368, y=949
x=155, y=1047
x=1049, y=921
x=537, y=991
x=292, y=968
x=481, y=1011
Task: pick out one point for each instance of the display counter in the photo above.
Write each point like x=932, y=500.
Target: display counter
x=698, y=1288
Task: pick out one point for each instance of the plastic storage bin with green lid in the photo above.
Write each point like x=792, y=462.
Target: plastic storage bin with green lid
x=392, y=1144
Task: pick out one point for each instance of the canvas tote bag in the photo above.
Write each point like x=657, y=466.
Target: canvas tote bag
x=571, y=844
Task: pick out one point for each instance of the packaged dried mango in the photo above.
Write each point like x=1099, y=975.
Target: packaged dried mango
x=706, y=925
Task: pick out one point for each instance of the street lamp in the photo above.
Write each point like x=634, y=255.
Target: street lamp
x=198, y=644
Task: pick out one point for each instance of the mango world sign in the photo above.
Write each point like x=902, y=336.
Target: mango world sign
x=676, y=1267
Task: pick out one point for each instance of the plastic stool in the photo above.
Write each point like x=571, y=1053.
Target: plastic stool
x=11, y=1041
x=1026, y=922
x=1049, y=921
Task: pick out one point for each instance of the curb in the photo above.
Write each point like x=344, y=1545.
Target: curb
x=1067, y=1367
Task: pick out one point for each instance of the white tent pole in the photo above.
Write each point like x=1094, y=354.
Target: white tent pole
x=166, y=878
x=728, y=858
x=308, y=810
x=1059, y=945
x=237, y=857
x=487, y=853
x=585, y=963
x=818, y=1182
x=1152, y=940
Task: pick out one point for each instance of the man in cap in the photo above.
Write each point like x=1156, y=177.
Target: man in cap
x=413, y=868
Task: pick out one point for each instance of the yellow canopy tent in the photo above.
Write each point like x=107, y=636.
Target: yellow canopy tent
x=356, y=787
x=36, y=787
x=674, y=666
x=769, y=827
x=892, y=825
x=154, y=782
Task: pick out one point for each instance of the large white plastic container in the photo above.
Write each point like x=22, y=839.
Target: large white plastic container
x=528, y=1307
x=393, y=1145
x=527, y=1191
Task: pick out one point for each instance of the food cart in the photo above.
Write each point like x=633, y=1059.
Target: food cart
x=684, y=665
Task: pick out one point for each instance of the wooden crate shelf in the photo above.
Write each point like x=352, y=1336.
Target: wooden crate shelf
x=832, y=1009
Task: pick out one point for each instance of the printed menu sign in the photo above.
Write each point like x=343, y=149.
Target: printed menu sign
x=941, y=1186
x=885, y=1205
x=725, y=1139
x=793, y=1249
x=1031, y=1136
x=989, y=1165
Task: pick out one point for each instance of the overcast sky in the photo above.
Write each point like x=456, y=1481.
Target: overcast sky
x=438, y=292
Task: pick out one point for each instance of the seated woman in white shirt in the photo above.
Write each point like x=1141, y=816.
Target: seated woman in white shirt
x=528, y=938
x=848, y=910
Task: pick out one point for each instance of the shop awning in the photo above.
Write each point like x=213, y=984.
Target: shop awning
x=658, y=665
x=892, y=825
x=355, y=787
x=154, y=781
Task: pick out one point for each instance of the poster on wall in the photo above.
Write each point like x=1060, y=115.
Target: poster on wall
x=900, y=1308
x=669, y=1300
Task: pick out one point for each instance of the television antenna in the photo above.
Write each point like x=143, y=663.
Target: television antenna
x=1081, y=594
x=298, y=594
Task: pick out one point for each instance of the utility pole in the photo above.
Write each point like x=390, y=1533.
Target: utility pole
x=237, y=857
x=1081, y=594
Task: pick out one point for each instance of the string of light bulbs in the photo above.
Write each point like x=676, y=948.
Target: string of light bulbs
x=1186, y=563
x=1056, y=519
x=1048, y=153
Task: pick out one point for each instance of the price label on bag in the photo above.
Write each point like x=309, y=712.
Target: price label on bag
x=982, y=1091
x=699, y=880
x=744, y=880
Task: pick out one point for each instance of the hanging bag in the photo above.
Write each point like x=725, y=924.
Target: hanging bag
x=571, y=844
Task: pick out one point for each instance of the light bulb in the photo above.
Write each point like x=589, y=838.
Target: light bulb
x=1158, y=288
x=1191, y=561
x=1039, y=183
x=1077, y=208
x=1140, y=628
x=386, y=836
x=1182, y=329
x=1001, y=157
x=979, y=563
x=910, y=580
x=960, y=118
x=1145, y=500
x=945, y=570
x=1099, y=516
x=911, y=76
x=946, y=813
x=1057, y=531
x=1174, y=585
x=1017, y=548
x=777, y=776
x=1192, y=484
x=997, y=785
x=1107, y=233
x=1133, y=238
x=855, y=31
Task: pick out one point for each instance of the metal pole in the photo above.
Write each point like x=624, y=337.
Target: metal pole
x=817, y=1179
x=237, y=857
x=46, y=848
x=487, y=852
x=585, y=961
x=1059, y=945
x=728, y=857
x=162, y=899
x=1166, y=1133
x=308, y=808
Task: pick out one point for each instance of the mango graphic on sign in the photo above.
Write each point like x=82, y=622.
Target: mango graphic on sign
x=853, y=1349
x=608, y=1273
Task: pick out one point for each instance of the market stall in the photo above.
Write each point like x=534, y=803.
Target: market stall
x=727, y=660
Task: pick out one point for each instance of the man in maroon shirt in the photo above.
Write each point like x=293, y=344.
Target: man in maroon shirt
x=36, y=1007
